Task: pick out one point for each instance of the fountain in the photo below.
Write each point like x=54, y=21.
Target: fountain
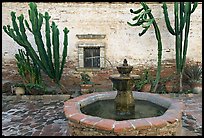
x=124, y=101
x=123, y=112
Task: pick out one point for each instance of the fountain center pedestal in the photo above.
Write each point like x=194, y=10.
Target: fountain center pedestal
x=123, y=83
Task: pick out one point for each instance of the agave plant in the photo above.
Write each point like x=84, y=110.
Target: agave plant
x=193, y=74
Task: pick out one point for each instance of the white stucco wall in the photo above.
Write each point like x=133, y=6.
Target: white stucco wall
x=122, y=41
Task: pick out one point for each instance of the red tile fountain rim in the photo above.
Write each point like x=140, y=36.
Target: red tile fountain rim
x=73, y=113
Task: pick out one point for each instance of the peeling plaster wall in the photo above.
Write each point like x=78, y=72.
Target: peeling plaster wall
x=122, y=41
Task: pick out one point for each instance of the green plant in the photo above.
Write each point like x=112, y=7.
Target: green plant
x=193, y=74
x=162, y=88
x=19, y=85
x=32, y=88
x=146, y=19
x=31, y=75
x=28, y=70
x=35, y=88
x=182, y=15
x=48, y=58
x=85, y=78
x=145, y=78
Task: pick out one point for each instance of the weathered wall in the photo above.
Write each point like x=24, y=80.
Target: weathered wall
x=122, y=41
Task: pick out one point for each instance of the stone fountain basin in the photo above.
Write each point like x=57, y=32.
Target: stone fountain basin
x=124, y=69
x=80, y=124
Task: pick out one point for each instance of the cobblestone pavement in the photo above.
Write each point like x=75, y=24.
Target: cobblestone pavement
x=45, y=116
x=24, y=117
x=192, y=115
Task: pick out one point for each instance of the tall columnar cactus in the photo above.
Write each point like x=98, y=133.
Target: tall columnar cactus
x=146, y=19
x=182, y=14
x=48, y=58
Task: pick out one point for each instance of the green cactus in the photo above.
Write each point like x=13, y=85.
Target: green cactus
x=146, y=19
x=28, y=70
x=48, y=58
x=182, y=13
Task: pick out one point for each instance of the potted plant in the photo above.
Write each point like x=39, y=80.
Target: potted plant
x=145, y=83
x=86, y=84
x=193, y=76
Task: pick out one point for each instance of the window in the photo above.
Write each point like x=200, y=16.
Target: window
x=92, y=57
x=91, y=51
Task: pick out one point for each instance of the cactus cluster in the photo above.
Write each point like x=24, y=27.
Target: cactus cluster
x=47, y=57
x=145, y=19
x=182, y=14
x=28, y=70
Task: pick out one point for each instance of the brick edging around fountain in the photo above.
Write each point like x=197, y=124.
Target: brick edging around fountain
x=80, y=124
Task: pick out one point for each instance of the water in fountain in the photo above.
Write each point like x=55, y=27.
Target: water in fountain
x=106, y=109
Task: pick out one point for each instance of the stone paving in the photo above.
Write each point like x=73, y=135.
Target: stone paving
x=44, y=116
x=33, y=117
x=192, y=114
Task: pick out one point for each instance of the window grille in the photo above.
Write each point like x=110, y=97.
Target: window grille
x=92, y=57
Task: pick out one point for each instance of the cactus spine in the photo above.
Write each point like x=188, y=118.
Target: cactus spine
x=182, y=19
x=146, y=19
x=48, y=58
